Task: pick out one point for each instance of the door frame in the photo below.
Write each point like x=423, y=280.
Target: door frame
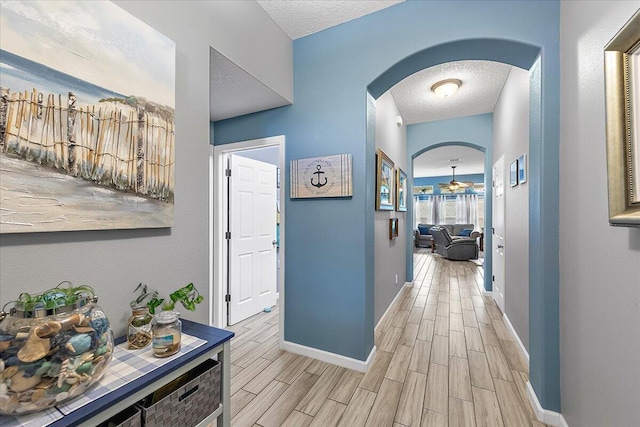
x=501, y=300
x=217, y=220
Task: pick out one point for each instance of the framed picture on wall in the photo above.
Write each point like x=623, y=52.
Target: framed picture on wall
x=522, y=169
x=385, y=184
x=393, y=228
x=513, y=173
x=321, y=177
x=401, y=190
x=622, y=88
x=88, y=119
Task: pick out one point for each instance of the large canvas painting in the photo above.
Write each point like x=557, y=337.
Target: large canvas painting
x=87, y=137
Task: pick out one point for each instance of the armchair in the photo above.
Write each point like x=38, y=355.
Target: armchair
x=457, y=249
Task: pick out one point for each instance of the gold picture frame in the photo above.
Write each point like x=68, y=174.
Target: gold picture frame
x=385, y=182
x=622, y=88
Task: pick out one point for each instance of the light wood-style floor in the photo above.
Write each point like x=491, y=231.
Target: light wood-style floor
x=444, y=358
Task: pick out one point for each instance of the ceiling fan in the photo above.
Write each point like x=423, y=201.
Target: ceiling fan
x=454, y=185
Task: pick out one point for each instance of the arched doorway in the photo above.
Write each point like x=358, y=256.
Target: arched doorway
x=543, y=210
x=483, y=145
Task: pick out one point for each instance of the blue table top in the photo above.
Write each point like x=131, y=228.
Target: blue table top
x=214, y=338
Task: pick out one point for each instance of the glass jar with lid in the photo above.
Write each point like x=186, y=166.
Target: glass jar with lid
x=167, y=332
x=53, y=347
x=139, y=328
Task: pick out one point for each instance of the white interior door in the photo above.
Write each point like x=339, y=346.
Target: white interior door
x=252, y=242
x=498, y=233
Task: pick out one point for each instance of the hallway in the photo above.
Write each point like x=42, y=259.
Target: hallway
x=444, y=358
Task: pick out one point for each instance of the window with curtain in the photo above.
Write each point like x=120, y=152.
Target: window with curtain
x=461, y=209
x=467, y=209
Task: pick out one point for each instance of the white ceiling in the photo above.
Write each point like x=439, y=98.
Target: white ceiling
x=299, y=18
x=482, y=82
x=234, y=92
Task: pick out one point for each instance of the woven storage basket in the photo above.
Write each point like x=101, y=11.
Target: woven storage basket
x=189, y=404
x=130, y=417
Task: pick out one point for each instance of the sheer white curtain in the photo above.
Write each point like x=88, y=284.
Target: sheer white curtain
x=423, y=210
x=416, y=211
x=440, y=210
x=467, y=209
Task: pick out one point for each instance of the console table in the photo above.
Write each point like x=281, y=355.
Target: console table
x=217, y=345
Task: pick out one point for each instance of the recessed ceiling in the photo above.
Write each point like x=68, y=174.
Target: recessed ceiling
x=482, y=82
x=299, y=18
x=437, y=162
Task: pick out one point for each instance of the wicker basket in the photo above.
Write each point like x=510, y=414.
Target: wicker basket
x=130, y=417
x=190, y=403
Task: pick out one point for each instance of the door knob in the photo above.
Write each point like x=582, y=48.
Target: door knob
x=500, y=247
x=274, y=243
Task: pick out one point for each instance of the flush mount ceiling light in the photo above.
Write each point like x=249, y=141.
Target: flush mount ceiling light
x=446, y=88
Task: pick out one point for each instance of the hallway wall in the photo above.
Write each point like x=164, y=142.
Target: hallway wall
x=599, y=264
x=390, y=255
x=511, y=139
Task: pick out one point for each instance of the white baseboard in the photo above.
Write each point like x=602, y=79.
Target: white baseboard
x=521, y=347
x=333, y=358
x=393, y=303
x=487, y=293
x=545, y=416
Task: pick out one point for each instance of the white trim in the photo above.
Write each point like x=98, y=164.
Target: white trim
x=545, y=416
x=487, y=293
x=218, y=316
x=392, y=303
x=212, y=307
x=333, y=358
x=521, y=347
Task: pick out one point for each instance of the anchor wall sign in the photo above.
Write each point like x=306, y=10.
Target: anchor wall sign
x=329, y=176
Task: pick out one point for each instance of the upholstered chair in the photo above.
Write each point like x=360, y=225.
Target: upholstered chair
x=457, y=249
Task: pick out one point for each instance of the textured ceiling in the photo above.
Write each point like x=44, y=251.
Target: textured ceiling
x=437, y=162
x=482, y=82
x=234, y=92
x=299, y=18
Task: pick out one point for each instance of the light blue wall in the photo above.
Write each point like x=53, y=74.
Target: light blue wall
x=329, y=268
x=471, y=131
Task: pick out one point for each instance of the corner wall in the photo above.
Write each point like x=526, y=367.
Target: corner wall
x=390, y=255
x=511, y=139
x=599, y=264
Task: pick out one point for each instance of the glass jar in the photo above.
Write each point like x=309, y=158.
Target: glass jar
x=48, y=356
x=167, y=331
x=139, y=328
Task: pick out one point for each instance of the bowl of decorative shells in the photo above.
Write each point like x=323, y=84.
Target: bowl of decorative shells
x=53, y=346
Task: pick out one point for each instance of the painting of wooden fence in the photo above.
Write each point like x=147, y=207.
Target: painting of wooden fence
x=74, y=154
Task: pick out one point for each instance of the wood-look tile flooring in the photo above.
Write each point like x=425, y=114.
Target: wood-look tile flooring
x=444, y=358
